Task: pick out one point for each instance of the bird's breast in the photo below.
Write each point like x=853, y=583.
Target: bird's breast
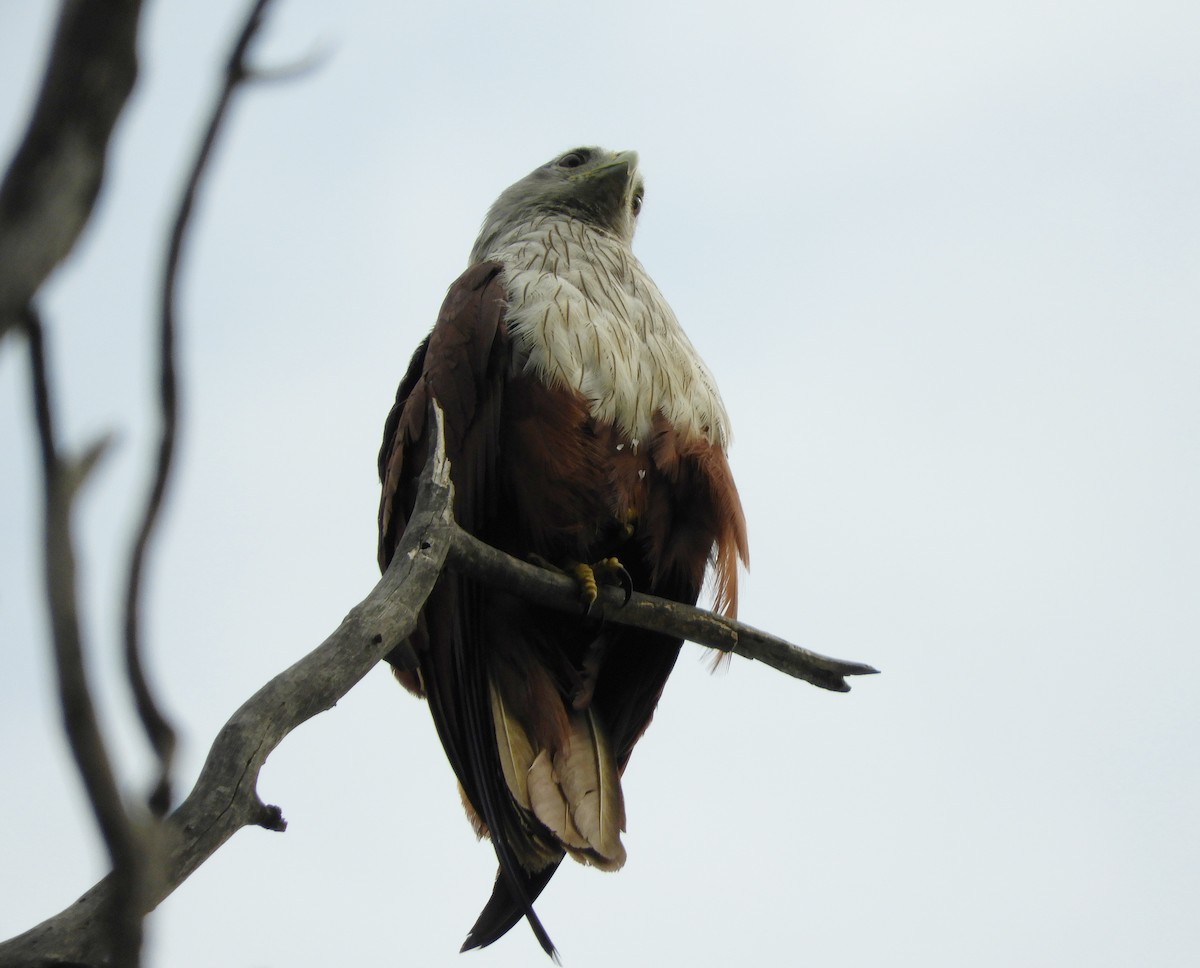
x=585, y=316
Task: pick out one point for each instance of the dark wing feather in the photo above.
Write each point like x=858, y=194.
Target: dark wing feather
x=464, y=366
x=396, y=505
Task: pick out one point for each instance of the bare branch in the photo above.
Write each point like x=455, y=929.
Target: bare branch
x=45, y=200
x=491, y=566
x=122, y=921
x=158, y=729
x=49, y=189
x=225, y=796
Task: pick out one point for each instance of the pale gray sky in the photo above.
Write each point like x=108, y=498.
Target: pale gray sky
x=942, y=259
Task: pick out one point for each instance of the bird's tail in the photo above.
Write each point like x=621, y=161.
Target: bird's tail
x=505, y=907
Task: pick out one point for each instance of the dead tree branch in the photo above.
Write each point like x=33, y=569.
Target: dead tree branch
x=225, y=797
x=487, y=564
x=49, y=189
x=121, y=921
x=158, y=729
x=45, y=201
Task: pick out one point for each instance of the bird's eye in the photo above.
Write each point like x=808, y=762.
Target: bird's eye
x=635, y=205
x=572, y=159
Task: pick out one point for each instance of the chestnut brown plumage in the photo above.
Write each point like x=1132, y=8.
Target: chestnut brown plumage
x=580, y=424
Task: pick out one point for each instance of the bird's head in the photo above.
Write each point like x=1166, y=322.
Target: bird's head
x=602, y=188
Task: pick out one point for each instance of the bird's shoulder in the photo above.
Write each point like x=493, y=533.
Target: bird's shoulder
x=452, y=366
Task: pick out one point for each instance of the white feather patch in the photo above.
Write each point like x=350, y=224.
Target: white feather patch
x=585, y=315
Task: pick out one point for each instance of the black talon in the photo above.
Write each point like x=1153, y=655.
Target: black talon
x=612, y=572
x=626, y=581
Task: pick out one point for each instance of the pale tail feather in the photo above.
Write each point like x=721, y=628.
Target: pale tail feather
x=576, y=793
x=516, y=752
x=516, y=762
x=550, y=805
x=587, y=773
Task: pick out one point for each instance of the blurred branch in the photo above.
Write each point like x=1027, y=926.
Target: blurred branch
x=225, y=797
x=46, y=199
x=122, y=917
x=158, y=730
x=48, y=191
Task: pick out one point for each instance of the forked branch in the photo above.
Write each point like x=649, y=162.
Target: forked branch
x=225, y=797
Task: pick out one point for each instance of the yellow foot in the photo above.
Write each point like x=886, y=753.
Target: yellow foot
x=606, y=571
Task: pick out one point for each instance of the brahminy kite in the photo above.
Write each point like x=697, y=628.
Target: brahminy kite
x=584, y=432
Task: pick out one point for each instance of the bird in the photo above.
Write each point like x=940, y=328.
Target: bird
x=584, y=433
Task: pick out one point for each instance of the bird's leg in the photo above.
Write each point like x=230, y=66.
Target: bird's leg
x=606, y=571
